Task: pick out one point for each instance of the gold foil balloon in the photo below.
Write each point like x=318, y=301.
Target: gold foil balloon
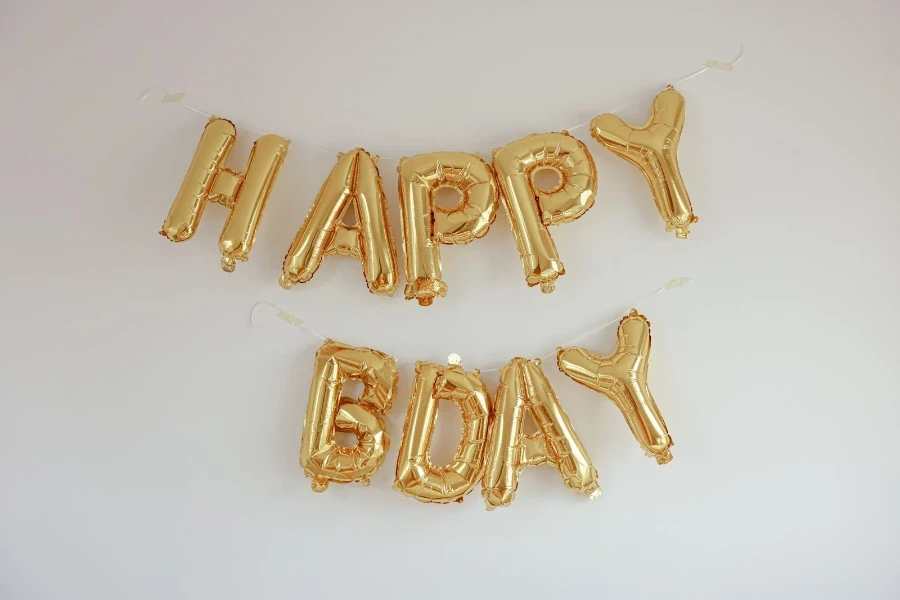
x=532, y=209
x=524, y=389
x=322, y=459
x=622, y=376
x=353, y=180
x=244, y=194
x=416, y=475
x=653, y=149
x=425, y=224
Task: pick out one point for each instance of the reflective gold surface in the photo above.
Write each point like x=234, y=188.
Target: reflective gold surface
x=327, y=412
x=622, y=377
x=531, y=209
x=416, y=475
x=187, y=208
x=425, y=224
x=245, y=194
x=353, y=180
x=653, y=148
x=524, y=389
x=250, y=200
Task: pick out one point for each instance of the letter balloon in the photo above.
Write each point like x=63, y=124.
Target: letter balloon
x=327, y=412
x=425, y=224
x=524, y=389
x=622, y=377
x=416, y=475
x=244, y=194
x=531, y=209
x=354, y=180
x=653, y=148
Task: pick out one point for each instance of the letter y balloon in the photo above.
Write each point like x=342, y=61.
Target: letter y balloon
x=653, y=148
x=622, y=377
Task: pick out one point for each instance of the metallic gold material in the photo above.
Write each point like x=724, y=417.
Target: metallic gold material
x=653, y=148
x=244, y=194
x=353, y=180
x=426, y=224
x=416, y=475
x=524, y=388
x=532, y=209
x=622, y=377
x=322, y=459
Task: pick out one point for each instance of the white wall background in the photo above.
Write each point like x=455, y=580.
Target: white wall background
x=149, y=438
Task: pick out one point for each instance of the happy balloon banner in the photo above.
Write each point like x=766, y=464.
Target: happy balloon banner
x=355, y=184
x=493, y=449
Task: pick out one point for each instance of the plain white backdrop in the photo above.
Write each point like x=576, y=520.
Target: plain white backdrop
x=149, y=437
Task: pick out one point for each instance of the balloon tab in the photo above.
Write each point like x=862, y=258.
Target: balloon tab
x=718, y=64
x=173, y=97
x=289, y=318
x=677, y=282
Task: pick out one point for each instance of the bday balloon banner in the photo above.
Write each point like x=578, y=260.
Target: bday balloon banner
x=356, y=185
x=493, y=449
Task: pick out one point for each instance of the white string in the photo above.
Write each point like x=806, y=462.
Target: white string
x=292, y=320
x=706, y=67
x=169, y=97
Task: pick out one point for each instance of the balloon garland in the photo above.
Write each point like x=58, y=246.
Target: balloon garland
x=356, y=182
x=493, y=447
